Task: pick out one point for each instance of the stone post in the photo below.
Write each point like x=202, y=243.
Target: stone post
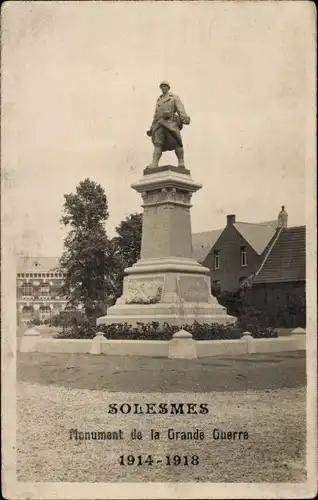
x=97, y=342
x=247, y=337
x=298, y=331
x=182, y=346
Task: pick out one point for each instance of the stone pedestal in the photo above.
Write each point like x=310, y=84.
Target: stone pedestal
x=166, y=285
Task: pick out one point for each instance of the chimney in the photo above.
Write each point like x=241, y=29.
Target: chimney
x=230, y=219
x=282, y=218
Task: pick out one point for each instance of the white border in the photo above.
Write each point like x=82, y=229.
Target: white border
x=17, y=490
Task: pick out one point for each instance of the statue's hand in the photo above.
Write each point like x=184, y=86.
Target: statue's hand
x=186, y=120
x=149, y=133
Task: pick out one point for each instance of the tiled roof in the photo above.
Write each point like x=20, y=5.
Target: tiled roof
x=272, y=223
x=203, y=242
x=287, y=259
x=37, y=264
x=257, y=235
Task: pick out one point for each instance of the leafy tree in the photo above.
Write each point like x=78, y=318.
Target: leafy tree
x=129, y=238
x=126, y=248
x=88, y=256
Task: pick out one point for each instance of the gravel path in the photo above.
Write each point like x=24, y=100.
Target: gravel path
x=274, y=452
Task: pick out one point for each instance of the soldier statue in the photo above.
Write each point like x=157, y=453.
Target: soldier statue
x=169, y=118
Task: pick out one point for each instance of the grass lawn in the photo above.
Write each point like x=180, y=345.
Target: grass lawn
x=261, y=394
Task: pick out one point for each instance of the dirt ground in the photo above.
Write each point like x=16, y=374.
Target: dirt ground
x=142, y=374
x=262, y=395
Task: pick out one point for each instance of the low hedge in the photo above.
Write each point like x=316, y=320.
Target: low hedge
x=153, y=331
x=35, y=322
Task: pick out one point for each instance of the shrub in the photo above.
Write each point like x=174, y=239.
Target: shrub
x=65, y=318
x=248, y=304
x=54, y=321
x=35, y=322
x=232, y=301
x=152, y=331
x=255, y=319
x=76, y=327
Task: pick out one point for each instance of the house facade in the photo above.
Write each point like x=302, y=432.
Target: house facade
x=38, y=283
x=269, y=259
x=236, y=253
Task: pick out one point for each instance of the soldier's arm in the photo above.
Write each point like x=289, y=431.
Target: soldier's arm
x=181, y=111
x=154, y=118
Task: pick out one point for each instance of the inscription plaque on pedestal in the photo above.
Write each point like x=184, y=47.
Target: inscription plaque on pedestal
x=193, y=289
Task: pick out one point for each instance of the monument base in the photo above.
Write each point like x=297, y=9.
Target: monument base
x=166, y=285
x=173, y=291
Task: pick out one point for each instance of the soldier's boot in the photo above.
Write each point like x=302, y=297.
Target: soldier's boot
x=180, y=155
x=157, y=152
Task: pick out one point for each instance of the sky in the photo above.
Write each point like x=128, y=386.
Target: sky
x=79, y=86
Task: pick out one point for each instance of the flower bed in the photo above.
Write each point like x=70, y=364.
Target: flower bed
x=153, y=331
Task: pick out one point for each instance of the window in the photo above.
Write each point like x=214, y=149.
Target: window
x=44, y=288
x=243, y=256
x=45, y=311
x=27, y=289
x=216, y=259
x=27, y=310
x=216, y=288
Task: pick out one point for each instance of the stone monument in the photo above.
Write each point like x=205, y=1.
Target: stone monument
x=168, y=120
x=166, y=285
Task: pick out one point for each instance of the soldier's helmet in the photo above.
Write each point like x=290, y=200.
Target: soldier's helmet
x=164, y=82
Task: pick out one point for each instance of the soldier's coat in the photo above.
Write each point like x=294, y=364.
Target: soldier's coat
x=168, y=120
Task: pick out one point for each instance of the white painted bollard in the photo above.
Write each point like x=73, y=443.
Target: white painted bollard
x=97, y=343
x=247, y=337
x=299, y=335
x=298, y=331
x=182, y=346
x=29, y=340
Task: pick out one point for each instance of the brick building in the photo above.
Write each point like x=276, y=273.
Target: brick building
x=203, y=242
x=269, y=257
x=234, y=253
x=39, y=281
x=279, y=286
